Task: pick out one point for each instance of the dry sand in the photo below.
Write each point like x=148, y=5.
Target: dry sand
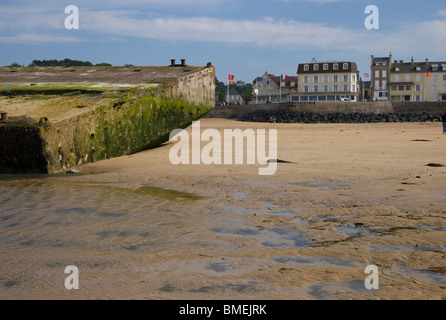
x=359, y=194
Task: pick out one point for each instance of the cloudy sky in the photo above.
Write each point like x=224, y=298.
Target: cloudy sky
x=240, y=37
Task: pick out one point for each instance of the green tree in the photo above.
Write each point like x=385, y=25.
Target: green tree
x=14, y=64
x=220, y=88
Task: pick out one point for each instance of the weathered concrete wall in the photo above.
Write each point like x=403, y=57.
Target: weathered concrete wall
x=239, y=111
x=22, y=149
x=136, y=120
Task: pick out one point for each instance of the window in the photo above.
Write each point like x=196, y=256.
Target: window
x=418, y=88
x=408, y=88
x=444, y=88
x=418, y=68
x=397, y=78
x=444, y=77
x=325, y=67
x=292, y=83
x=418, y=78
x=315, y=67
x=434, y=88
x=316, y=79
x=306, y=79
x=417, y=98
x=434, y=77
x=397, y=69
x=345, y=66
x=335, y=66
x=376, y=73
x=346, y=87
x=407, y=77
x=282, y=83
x=394, y=88
x=335, y=78
x=306, y=67
x=325, y=88
x=401, y=88
x=335, y=88
x=353, y=88
x=316, y=89
x=384, y=84
x=376, y=85
x=306, y=89
x=345, y=78
x=384, y=72
x=325, y=79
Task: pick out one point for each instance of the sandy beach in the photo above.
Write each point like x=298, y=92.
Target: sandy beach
x=345, y=197
x=362, y=193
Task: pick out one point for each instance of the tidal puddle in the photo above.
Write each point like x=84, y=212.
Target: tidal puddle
x=325, y=184
x=267, y=209
x=314, y=260
x=272, y=237
x=406, y=248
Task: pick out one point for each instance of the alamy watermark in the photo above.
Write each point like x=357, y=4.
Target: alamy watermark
x=72, y=280
x=72, y=20
x=371, y=281
x=372, y=21
x=188, y=150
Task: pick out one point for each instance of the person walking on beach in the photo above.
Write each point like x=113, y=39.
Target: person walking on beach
x=272, y=120
x=443, y=120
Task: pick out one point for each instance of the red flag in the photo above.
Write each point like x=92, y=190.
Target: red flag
x=230, y=77
x=428, y=74
x=231, y=82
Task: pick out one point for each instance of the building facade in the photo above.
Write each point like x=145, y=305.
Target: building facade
x=380, y=73
x=271, y=88
x=327, y=81
x=399, y=81
x=418, y=81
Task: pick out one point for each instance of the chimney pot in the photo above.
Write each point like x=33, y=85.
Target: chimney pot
x=172, y=62
x=183, y=62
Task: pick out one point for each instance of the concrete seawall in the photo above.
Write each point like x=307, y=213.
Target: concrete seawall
x=49, y=130
x=238, y=111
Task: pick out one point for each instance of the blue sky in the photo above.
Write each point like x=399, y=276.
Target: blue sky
x=243, y=38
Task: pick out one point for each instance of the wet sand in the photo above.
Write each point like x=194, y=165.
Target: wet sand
x=349, y=196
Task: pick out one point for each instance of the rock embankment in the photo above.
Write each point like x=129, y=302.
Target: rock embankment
x=284, y=116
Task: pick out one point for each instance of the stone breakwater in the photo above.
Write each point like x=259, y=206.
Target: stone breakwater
x=285, y=116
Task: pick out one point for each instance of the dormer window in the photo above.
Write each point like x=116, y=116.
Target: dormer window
x=397, y=69
x=316, y=67
x=345, y=66
x=418, y=68
x=306, y=67
x=335, y=66
x=325, y=67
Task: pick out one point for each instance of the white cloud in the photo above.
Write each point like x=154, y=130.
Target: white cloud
x=442, y=12
x=37, y=39
x=38, y=25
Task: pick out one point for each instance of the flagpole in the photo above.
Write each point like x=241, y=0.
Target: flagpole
x=228, y=92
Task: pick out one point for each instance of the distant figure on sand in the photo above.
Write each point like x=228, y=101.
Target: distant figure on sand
x=272, y=120
x=443, y=120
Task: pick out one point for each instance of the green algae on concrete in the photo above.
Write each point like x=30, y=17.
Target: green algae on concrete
x=78, y=125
